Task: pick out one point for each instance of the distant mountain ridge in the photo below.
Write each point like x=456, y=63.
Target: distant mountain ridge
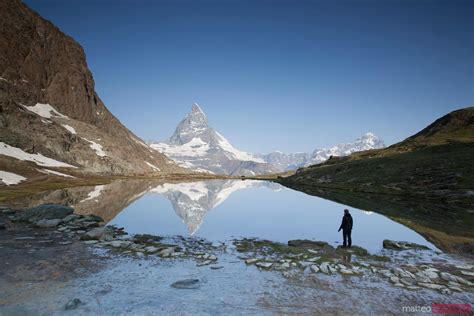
x=290, y=161
x=197, y=146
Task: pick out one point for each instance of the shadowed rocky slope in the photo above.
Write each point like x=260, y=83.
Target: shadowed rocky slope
x=41, y=65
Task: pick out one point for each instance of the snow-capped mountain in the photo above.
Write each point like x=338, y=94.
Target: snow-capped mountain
x=192, y=200
x=198, y=146
x=290, y=161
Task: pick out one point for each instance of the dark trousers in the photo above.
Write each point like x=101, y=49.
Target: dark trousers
x=346, y=235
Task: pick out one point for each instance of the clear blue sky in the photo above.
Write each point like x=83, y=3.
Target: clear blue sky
x=286, y=75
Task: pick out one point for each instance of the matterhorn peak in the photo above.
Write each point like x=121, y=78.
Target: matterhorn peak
x=196, y=108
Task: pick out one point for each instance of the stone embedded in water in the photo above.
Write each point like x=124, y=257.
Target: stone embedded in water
x=432, y=286
x=468, y=273
x=212, y=257
x=48, y=223
x=395, y=279
x=216, y=267
x=71, y=217
x=166, y=252
x=463, y=281
x=204, y=263
x=347, y=271
x=105, y=233
x=251, y=260
x=264, y=265
x=407, y=281
x=73, y=304
x=446, y=291
x=447, y=276
x=314, y=268
x=325, y=268
x=151, y=249
x=465, y=266
x=186, y=284
x=90, y=242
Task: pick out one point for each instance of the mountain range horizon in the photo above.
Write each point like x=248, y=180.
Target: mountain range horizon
x=196, y=145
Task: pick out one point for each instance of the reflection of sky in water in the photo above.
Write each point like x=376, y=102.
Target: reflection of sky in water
x=260, y=212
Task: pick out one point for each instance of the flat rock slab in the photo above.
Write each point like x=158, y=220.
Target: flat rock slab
x=44, y=211
x=186, y=284
x=305, y=243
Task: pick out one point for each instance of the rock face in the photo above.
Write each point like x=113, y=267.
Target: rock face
x=48, y=105
x=198, y=146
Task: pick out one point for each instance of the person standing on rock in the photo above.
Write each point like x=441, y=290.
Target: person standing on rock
x=346, y=227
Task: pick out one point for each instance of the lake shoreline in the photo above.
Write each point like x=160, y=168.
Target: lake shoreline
x=51, y=255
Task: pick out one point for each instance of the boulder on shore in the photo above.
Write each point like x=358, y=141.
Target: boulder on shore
x=305, y=243
x=44, y=211
x=106, y=233
x=402, y=245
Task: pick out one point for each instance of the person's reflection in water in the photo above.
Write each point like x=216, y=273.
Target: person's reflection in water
x=346, y=258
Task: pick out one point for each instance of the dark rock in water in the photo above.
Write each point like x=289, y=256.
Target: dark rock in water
x=402, y=245
x=44, y=211
x=3, y=226
x=73, y=304
x=91, y=218
x=48, y=223
x=99, y=233
x=305, y=243
x=216, y=267
x=186, y=284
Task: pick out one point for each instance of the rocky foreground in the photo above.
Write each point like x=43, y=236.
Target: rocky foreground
x=402, y=265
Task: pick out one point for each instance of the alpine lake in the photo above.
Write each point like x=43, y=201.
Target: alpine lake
x=216, y=247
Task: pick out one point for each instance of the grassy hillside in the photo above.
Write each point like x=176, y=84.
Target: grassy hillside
x=425, y=182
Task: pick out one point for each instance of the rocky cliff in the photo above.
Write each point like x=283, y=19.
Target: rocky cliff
x=50, y=114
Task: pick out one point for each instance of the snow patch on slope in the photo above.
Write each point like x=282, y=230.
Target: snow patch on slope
x=45, y=110
x=95, y=193
x=152, y=166
x=47, y=171
x=10, y=178
x=70, y=129
x=38, y=159
x=96, y=147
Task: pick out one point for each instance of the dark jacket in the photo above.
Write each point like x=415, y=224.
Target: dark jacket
x=346, y=222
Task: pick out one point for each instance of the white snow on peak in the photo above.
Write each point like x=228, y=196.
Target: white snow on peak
x=94, y=193
x=47, y=171
x=194, y=190
x=45, y=110
x=39, y=159
x=96, y=147
x=152, y=166
x=237, y=154
x=10, y=178
x=69, y=128
x=195, y=147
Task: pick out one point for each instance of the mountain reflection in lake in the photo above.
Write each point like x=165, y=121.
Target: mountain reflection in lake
x=219, y=210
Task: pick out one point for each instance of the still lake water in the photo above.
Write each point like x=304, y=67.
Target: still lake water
x=219, y=210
